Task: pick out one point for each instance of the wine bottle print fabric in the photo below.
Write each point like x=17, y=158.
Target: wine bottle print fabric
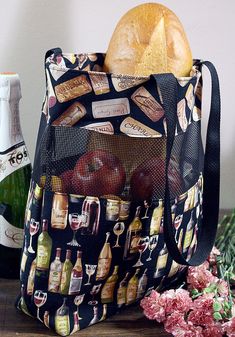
x=94, y=239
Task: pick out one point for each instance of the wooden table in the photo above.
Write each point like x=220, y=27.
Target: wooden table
x=130, y=323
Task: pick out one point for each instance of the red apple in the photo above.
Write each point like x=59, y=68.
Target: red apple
x=66, y=178
x=98, y=173
x=148, y=179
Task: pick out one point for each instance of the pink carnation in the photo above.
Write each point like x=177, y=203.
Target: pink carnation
x=200, y=277
x=176, y=300
x=213, y=256
x=188, y=331
x=222, y=287
x=175, y=321
x=152, y=308
x=213, y=330
x=229, y=328
x=202, y=313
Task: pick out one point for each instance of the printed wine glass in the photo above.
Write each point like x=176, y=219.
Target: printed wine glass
x=33, y=229
x=118, y=229
x=40, y=298
x=75, y=222
x=146, y=205
x=177, y=224
x=94, y=291
x=142, y=246
x=152, y=245
x=78, y=301
x=90, y=270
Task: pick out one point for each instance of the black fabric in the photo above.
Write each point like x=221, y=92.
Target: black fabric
x=168, y=86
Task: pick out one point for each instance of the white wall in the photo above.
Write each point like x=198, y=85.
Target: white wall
x=29, y=28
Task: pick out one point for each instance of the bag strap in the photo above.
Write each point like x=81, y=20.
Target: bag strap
x=168, y=87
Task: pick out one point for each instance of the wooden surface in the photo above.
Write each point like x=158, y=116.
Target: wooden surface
x=130, y=323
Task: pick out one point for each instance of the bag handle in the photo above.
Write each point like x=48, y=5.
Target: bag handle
x=207, y=233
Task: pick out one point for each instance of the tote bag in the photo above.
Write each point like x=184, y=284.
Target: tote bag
x=123, y=196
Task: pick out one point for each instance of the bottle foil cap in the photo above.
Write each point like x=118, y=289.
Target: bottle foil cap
x=10, y=87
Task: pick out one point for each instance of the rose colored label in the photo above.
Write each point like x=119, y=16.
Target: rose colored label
x=13, y=160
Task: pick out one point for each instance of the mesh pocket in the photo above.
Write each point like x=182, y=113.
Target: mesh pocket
x=85, y=162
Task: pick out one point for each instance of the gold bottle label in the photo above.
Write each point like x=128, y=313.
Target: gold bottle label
x=103, y=268
x=54, y=281
x=124, y=210
x=62, y=325
x=42, y=258
x=112, y=210
x=107, y=292
x=131, y=293
x=155, y=225
x=59, y=218
x=174, y=269
x=121, y=295
x=134, y=244
x=30, y=284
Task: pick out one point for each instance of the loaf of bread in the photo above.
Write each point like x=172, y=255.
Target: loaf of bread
x=149, y=39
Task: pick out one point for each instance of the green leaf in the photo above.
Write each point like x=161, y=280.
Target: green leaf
x=217, y=306
x=217, y=316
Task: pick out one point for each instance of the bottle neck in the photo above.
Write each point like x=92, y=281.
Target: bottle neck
x=10, y=129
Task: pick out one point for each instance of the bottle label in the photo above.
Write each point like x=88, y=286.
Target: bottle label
x=59, y=218
x=10, y=236
x=162, y=260
x=188, y=239
x=131, y=293
x=103, y=268
x=42, y=258
x=134, y=244
x=107, y=292
x=54, y=281
x=75, y=285
x=62, y=325
x=12, y=160
x=121, y=295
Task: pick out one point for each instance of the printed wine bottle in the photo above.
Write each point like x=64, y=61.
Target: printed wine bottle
x=121, y=292
x=55, y=273
x=24, y=257
x=156, y=219
x=161, y=262
x=30, y=283
x=107, y=291
x=142, y=285
x=175, y=266
x=66, y=273
x=76, y=322
x=95, y=318
x=104, y=260
x=104, y=315
x=15, y=174
x=189, y=234
x=76, y=276
x=44, y=248
x=132, y=287
x=62, y=321
x=133, y=236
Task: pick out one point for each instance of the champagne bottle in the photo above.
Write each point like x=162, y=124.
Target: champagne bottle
x=30, y=283
x=66, y=273
x=76, y=276
x=189, y=234
x=104, y=260
x=15, y=173
x=156, y=219
x=44, y=248
x=62, y=322
x=142, y=285
x=55, y=273
x=132, y=287
x=133, y=236
x=107, y=291
x=121, y=292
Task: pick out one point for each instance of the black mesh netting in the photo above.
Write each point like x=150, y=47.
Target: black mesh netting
x=77, y=160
